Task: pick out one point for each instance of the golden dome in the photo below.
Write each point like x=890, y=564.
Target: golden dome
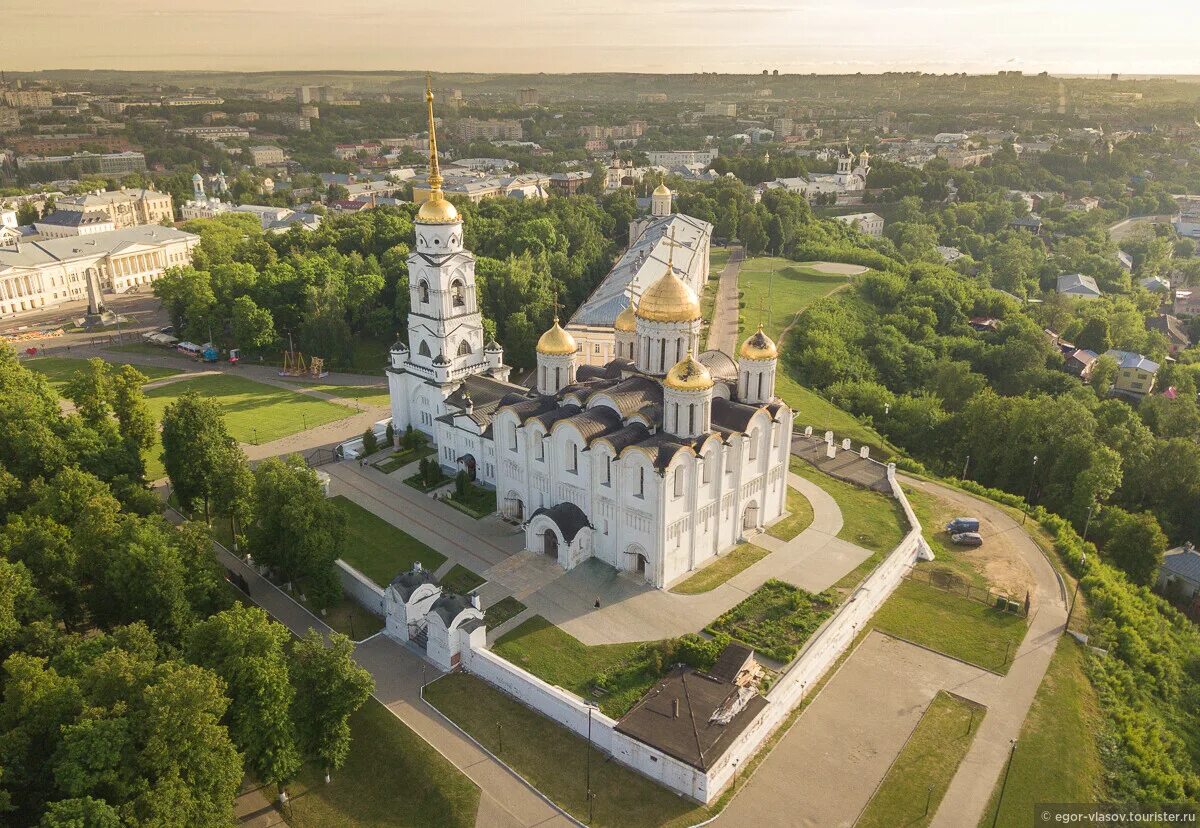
x=759, y=346
x=437, y=209
x=556, y=341
x=688, y=375
x=626, y=320
x=662, y=189
x=670, y=299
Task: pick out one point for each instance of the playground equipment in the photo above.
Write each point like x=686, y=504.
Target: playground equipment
x=294, y=365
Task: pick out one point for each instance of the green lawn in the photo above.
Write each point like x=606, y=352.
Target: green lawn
x=722, y=569
x=773, y=291
x=558, y=658
x=913, y=788
x=776, y=619
x=59, y=370
x=347, y=617
x=461, y=580
x=952, y=624
x=501, y=611
x=368, y=395
x=1062, y=724
x=813, y=410
x=717, y=259
x=401, y=458
x=555, y=760
x=254, y=412
x=870, y=519
x=799, y=519
x=391, y=778
x=378, y=549
x=476, y=501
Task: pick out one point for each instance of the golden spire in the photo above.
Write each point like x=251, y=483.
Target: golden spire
x=436, y=209
x=435, y=173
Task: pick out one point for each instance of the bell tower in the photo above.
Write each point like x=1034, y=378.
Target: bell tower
x=445, y=328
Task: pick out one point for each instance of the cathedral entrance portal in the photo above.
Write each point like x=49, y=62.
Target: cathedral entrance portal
x=550, y=544
x=467, y=464
x=514, y=507
x=750, y=516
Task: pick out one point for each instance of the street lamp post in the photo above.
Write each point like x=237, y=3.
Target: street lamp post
x=1088, y=521
x=1007, y=768
x=1029, y=494
x=1074, y=597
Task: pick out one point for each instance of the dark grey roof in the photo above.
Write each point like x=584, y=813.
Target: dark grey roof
x=691, y=736
x=596, y=422
x=1183, y=562
x=406, y=583
x=560, y=412
x=633, y=393
x=627, y=436
x=731, y=662
x=74, y=218
x=732, y=415
x=568, y=517
x=1171, y=327
x=450, y=606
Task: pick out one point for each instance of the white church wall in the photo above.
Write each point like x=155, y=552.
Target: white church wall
x=362, y=589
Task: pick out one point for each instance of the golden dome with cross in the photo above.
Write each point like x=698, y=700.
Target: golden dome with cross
x=670, y=299
x=688, y=375
x=556, y=341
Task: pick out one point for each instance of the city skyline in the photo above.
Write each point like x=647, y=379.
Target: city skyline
x=679, y=36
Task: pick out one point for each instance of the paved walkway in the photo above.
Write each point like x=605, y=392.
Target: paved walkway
x=723, y=329
x=972, y=786
x=505, y=799
x=825, y=770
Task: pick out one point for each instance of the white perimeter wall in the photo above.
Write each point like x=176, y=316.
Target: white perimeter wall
x=361, y=588
x=822, y=650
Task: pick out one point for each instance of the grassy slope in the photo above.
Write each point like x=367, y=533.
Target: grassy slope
x=392, y=778
x=1060, y=724
x=918, y=778
x=813, y=410
x=378, y=549
x=952, y=624
x=773, y=291
x=555, y=760
x=934, y=513
x=870, y=519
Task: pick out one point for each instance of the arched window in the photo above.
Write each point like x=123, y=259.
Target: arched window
x=679, y=481
x=464, y=348
x=423, y=292
x=424, y=350
x=458, y=293
x=754, y=445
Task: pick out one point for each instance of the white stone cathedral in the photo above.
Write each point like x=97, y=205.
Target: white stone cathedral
x=654, y=463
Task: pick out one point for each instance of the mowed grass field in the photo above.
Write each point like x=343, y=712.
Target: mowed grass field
x=1061, y=723
x=368, y=395
x=253, y=412
x=913, y=788
x=773, y=291
x=952, y=624
x=392, y=777
x=59, y=370
x=555, y=760
x=378, y=549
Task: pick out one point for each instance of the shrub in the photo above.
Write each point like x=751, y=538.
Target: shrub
x=370, y=442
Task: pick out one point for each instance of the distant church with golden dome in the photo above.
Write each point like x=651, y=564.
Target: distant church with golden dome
x=653, y=462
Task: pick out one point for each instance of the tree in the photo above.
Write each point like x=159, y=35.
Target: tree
x=246, y=649
x=330, y=687
x=90, y=388
x=1104, y=373
x=1134, y=542
x=135, y=420
x=754, y=237
x=253, y=327
x=84, y=812
x=195, y=449
x=1095, y=335
x=297, y=532
x=27, y=213
x=370, y=442
x=390, y=435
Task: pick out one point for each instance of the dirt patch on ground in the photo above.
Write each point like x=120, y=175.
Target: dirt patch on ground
x=1001, y=563
x=836, y=267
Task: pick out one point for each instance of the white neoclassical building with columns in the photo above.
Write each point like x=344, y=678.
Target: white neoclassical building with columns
x=654, y=463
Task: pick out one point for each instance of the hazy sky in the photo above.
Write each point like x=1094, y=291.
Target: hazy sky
x=1078, y=36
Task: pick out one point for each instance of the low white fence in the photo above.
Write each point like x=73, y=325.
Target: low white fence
x=362, y=589
x=829, y=642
